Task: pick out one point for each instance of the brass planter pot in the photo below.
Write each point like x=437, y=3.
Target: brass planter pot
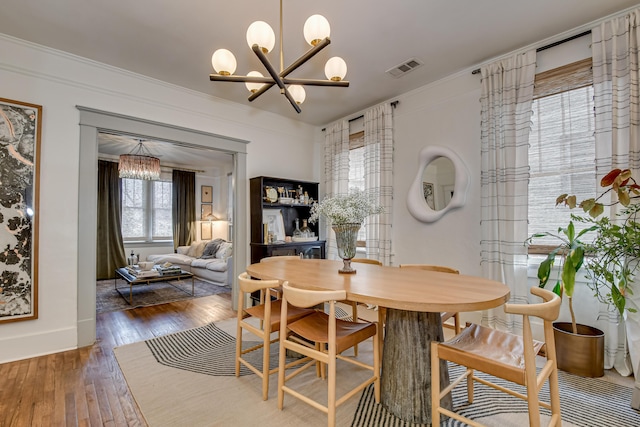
x=582, y=353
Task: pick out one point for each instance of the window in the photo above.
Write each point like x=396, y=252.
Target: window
x=356, y=173
x=562, y=146
x=146, y=210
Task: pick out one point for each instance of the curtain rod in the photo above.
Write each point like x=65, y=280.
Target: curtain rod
x=554, y=44
x=394, y=104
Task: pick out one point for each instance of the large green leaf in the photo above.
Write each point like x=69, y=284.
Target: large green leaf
x=557, y=289
x=544, y=270
x=569, y=276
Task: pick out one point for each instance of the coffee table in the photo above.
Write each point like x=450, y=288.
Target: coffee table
x=132, y=281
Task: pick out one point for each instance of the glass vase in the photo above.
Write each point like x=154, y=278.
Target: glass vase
x=346, y=240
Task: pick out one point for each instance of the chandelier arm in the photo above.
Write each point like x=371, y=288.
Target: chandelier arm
x=265, y=61
x=313, y=82
x=297, y=63
x=241, y=79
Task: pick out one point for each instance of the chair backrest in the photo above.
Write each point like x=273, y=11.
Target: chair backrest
x=549, y=310
x=366, y=261
x=305, y=298
x=280, y=258
x=428, y=267
x=248, y=285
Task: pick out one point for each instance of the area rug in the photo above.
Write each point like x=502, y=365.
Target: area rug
x=108, y=299
x=187, y=379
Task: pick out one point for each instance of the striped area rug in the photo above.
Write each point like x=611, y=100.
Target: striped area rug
x=210, y=351
x=588, y=402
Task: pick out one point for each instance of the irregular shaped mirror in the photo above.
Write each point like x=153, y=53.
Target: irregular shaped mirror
x=440, y=185
x=438, y=181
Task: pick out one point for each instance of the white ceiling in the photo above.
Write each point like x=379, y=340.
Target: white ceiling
x=173, y=40
x=207, y=161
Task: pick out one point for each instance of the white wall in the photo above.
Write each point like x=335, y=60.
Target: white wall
x=447, y=113
x=59, y=82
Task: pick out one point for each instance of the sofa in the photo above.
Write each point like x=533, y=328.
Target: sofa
x=210, y=260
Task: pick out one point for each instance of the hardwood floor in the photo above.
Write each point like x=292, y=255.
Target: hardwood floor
x=85, y=387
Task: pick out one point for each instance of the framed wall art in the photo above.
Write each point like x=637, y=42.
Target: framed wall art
x=206, y=232
x=275, y=222
x=205, y=210
x=206, y=194
x=20, y=128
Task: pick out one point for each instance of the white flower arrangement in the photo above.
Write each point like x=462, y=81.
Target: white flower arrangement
x=345, y=209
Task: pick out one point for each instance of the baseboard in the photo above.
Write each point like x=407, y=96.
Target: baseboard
x=48, y=342
x=86, y=332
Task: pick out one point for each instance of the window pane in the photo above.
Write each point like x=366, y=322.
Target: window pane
x=561, y=158
x=162, y=209
x=133, y=218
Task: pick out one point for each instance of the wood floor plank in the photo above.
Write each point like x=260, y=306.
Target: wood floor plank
x=85, y=386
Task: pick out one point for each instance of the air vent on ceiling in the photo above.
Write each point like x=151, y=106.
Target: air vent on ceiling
x=402, y=69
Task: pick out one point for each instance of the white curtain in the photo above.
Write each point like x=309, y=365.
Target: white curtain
x=378, y=171
x=506, y=102
x=616, y=87
x=336, y=171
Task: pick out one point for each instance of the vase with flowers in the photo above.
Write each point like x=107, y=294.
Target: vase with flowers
x=345, y=214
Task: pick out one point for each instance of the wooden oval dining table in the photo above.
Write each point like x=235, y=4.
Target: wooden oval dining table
x=413, y=300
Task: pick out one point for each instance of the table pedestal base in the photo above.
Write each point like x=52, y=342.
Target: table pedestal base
x=406, y=368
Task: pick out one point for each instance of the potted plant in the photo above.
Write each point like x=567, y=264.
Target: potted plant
x=345, y=214
x=581, y=347
x=616, y=247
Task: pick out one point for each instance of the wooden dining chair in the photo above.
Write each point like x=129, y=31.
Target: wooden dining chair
x=266, y=319
x=446, y=315
x=353, y=304
x=276, y=292
x=331, y=336
x=503, y=355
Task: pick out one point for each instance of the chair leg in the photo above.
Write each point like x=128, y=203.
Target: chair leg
x=435, y=385
x=456, y=323
x=554, y=393
x=266, y=347
x=533, y=403
x=470, y=386
x=238, y=340
x=381, y=318
x=377, y=362
x=281, y=370
x=354, y=317
x=331, y=383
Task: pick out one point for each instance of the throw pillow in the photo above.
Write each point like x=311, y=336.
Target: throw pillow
x=211, y=249
x=200, y=248
x=193, y=249
x=225, y=250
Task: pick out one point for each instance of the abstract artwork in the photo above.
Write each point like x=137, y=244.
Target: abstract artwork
x=20, y=125
x=206, y=194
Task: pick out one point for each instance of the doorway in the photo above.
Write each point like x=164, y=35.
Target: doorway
x=91, y=123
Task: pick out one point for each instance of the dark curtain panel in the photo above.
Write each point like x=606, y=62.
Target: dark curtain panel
x=184, y=208
x=110, y=246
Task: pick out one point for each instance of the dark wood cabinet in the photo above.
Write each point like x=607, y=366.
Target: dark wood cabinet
x=260, y=199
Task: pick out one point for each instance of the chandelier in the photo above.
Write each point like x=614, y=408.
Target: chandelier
x=139, y=164
x=261, y=40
